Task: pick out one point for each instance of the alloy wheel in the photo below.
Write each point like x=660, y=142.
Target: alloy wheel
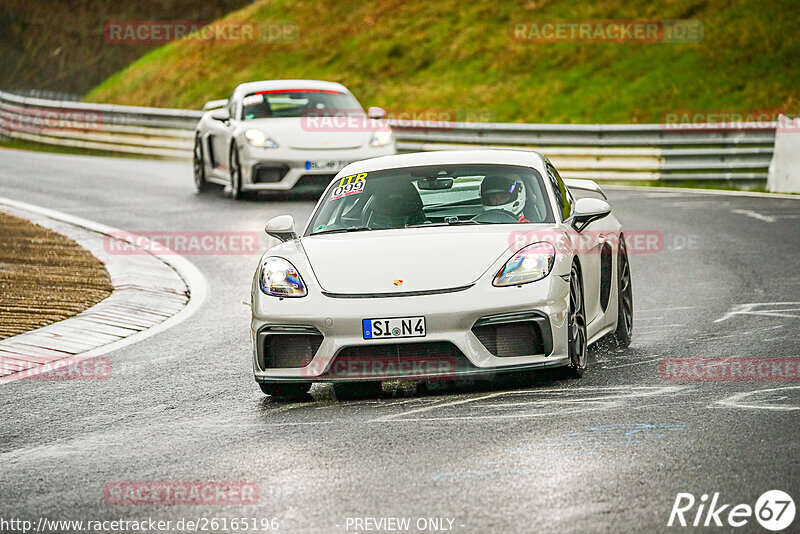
x=576, y=325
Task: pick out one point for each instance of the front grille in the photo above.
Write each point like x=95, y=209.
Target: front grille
x=315, y=181
x=520, y=337
x=283, y=350
x=433, y=358
x=269, y=174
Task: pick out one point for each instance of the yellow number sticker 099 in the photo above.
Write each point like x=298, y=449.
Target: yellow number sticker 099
x=349, y=185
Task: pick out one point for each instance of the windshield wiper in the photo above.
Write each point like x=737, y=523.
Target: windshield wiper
x=343, y=230
x=465, y=202
x=454, y=222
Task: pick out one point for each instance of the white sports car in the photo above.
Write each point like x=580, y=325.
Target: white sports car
x=285, y=134
x=440, y=265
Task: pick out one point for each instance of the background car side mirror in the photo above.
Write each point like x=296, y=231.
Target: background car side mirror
x=215, y=104
x=376, y=113
x=221, y=115
x=281, y=227
x=588, y=210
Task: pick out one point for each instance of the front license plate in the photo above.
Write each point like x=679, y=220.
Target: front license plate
x=394, y=327
x=326, y=165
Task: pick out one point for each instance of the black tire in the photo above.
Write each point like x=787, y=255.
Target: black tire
x=621, y=337
x=289, y=390
x=357, y=390
x=235, y=167
x=199, y=166
x=577, y=339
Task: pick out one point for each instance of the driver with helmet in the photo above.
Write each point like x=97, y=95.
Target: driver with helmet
x=503, y=193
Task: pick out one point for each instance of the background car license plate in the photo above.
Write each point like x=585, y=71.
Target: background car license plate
x=394, y=327
x=326, y=165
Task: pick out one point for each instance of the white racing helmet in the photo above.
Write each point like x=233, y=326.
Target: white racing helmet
x=503, y=193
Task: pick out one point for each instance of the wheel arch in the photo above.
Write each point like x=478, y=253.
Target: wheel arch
x=576, y=261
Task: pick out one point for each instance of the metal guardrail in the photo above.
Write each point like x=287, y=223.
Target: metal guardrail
x=48, y=94
x=595, y=151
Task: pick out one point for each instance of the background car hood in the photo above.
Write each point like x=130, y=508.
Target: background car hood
x=299, y=133
x=424, y=258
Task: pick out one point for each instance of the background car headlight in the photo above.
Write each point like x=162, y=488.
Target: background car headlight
x=259, y=138
x=279, y=278
x=529, y=264
x=381, y=138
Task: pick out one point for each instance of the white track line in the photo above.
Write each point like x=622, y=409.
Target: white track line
x=443, y=405
x=734, y=401
x=615, y=396
x=640, y=362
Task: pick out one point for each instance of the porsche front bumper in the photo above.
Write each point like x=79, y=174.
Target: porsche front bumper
x=282, y=169
x=455, y=319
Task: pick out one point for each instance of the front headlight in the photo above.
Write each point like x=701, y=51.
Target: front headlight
x=381, y=138
x=259, y=138
x=279, y=278
x=529, y=264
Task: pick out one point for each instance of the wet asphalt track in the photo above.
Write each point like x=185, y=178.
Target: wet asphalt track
x=608, y=452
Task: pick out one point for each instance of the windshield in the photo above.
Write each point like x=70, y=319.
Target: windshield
x=298, y=103
x=418, y=197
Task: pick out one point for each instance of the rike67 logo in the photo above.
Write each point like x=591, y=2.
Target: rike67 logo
x=774, y=511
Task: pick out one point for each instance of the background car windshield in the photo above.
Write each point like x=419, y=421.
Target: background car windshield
x=433, y=195
x=298, y=103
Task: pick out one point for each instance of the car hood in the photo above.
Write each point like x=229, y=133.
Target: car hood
x=422, y=259
x=303, y=134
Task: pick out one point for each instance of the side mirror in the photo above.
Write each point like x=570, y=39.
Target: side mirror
x=221, y=115
x=588, y=210
x=376, y=113
x=281, y=228
x=215, y=104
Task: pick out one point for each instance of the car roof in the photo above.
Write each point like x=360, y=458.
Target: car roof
x=271, y=85
x=525, y=158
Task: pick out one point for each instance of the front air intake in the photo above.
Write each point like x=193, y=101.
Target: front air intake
x=287, y=347
x=512, y=335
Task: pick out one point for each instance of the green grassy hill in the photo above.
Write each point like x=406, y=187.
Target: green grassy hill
x=453, y=55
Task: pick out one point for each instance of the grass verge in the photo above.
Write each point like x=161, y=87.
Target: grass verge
x=44, y=277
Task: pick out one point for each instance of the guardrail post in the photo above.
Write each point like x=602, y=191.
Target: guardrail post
x=784, y=169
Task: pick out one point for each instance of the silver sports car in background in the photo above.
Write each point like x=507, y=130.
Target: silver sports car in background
x=440, y=265
x=285, y=134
